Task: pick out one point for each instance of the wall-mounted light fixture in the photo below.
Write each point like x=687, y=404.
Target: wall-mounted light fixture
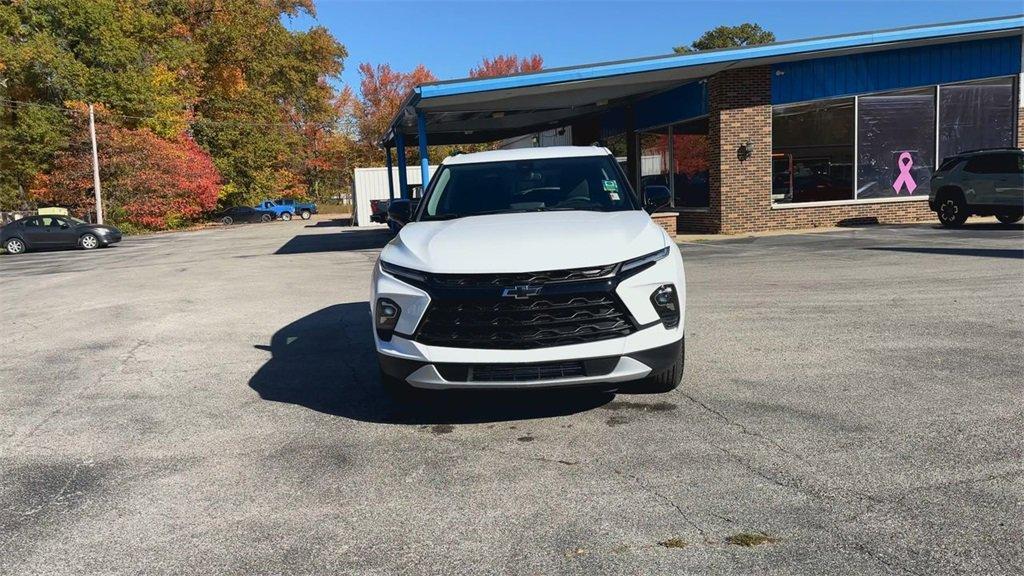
x=745, y=150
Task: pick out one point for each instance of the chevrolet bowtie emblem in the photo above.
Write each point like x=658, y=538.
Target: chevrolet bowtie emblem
x=520, y=292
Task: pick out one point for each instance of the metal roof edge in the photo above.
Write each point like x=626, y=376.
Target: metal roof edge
x=656, y=63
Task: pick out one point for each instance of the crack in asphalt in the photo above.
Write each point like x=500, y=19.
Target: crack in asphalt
x=743, y=428
x=903, y=496
x=19, y=444
x=679, y=510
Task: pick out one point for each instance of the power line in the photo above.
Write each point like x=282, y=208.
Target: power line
x=193, y=122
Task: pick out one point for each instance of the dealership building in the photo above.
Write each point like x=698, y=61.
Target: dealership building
x=816, y=132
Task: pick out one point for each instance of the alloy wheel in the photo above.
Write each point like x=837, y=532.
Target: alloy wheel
x=89, y=242
x=15, y=246
x=948, y=211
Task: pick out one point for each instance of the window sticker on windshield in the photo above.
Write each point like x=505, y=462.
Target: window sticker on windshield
x=610, y=185
x=613, y=196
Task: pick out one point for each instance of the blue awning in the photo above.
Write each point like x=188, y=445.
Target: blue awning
x=478, y=110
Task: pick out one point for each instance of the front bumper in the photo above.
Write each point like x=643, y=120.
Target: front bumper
x=588, y=370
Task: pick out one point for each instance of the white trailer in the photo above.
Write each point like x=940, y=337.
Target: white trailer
x=372, y=184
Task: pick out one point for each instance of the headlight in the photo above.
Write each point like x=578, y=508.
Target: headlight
x=666, y=302
x=406, y=274
x=385, y=316
x=644, y=261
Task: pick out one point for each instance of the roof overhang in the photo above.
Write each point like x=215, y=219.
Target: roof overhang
x=476, y=110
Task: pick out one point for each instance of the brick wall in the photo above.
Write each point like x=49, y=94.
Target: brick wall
x=666, y=220
x=1020, y=128
x=740, y=111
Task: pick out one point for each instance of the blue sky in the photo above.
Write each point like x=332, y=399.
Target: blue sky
x=451, y=37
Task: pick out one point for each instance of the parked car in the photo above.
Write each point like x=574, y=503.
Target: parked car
x=535, y=267
x=56, y=232
x=304, y=210
x=240, y=214
x=979, y=183
x=286, y=211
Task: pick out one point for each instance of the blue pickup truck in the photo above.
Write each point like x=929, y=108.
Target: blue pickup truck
x=286, y=208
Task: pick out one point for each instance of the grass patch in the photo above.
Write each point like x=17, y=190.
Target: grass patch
x=673, y=543
x=749, y=540
x=332, y=208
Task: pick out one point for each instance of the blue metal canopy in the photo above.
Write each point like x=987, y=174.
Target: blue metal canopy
x=483, y=109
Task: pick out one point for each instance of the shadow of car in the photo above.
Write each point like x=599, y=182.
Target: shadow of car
x=326, y=362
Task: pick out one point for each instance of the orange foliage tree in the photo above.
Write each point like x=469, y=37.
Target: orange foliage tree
x=148, y=182
x=505, y=64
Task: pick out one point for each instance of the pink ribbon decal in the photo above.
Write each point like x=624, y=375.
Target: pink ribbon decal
x=906, y=163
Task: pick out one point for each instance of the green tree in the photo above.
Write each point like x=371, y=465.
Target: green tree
x=745, y=34
x=227, y=73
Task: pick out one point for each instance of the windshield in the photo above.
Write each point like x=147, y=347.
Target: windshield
x=74, y=220
x=546, y=185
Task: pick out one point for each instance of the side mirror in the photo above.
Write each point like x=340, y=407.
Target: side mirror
x=64, y=226
x=656, y=197
x=399, y=212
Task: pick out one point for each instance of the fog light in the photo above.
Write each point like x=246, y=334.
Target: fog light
x=666, y=304
x=386, y=318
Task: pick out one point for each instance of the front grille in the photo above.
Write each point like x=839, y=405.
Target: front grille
x=543, y=321
x=526, y=372
x=532, y=278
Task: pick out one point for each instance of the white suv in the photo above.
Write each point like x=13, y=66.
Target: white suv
x=530, y=268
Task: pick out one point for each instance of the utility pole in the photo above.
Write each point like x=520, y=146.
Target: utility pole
x=95, y=167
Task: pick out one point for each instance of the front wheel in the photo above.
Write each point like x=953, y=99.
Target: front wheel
x=952, y=211
x=666, y=380
x=14, y=246
x=1010, y=217
x=306, y=215
x=227, y=220
x=286, y=216
x=265, y=218
x=89, y=241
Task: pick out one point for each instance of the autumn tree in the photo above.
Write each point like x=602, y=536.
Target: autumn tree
x=506, y=64
x=149, y=182
x=745, y=34
x=252, y=93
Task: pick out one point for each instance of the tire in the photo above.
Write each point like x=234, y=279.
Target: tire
x=265, y=218
x=14, y=246
x=952, y=210
x=89, y=241
x=305, y=215
x=286, y=216
x=1010, y=218
x=227, y=220
x=665, y=381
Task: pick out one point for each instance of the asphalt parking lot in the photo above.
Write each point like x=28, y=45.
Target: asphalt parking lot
x=207, y=402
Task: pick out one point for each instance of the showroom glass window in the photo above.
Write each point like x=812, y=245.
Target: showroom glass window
x=976, y=115
x=812, y=151
x=654, y=158
x=677, y=157
x=689, y=164
x=895, y=143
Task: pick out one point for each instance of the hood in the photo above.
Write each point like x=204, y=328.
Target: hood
x=525, y=242
x=99, y=227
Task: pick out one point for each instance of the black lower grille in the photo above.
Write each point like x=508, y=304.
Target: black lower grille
x=505, y=323
x=525, y=372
